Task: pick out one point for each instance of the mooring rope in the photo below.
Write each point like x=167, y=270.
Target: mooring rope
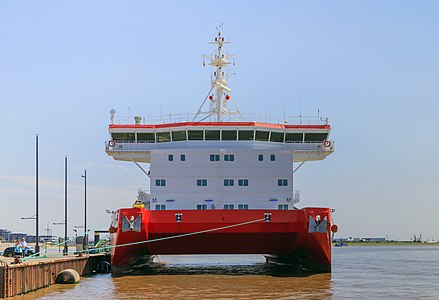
x=155, y=240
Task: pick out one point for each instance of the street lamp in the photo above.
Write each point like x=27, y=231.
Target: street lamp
x=66, y=249
x=37, y=236
x=85, y=242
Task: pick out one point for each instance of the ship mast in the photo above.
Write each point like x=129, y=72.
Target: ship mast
x=219, y=93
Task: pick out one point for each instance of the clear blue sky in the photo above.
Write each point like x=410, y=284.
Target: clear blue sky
x=372, y=67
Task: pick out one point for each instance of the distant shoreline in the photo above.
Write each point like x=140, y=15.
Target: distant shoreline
x=392, y=243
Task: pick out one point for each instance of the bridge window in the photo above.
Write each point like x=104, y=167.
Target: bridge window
x=315, y=137
x=212, y=135
x=260, y=157
x=262, y=135
x=183, y=157
x=272, y=157
x=229, y=182
x=229, y=157
x=214, y=157
x=195, y=135
x=242, y=206
x=123, y=136
x=294, y=137
x=228, y=135
x=201, y=206
x=282, y=182
x=178, y=135
x=201, y=182
x=160, y=182
x=243, y=182
x=163, y=137
x=245, y=135
x=229, y=206
x=147, y=137
x=277, y=137
x=170, y=157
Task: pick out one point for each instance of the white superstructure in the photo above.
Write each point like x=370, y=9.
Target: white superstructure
x=216, y=159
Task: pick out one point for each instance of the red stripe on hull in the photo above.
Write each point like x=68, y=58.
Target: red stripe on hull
x=285, y=235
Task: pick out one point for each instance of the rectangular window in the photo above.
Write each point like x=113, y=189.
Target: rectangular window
x=201, y=206
x=277, y=137
x=229, y=206
x=282, y=182
x=178, y=135
x=243, y=182
x=243, y=206
x=201, y=182
x=162, y=137
x=160, y=182
x=229, y=157
x=245, y=135
x=171, y=157
x=147, y=137
x=195, y=135
x=294, y=137
x=160, y=207
x=315, y=137
x=282, y=207
x=272, y=157
x=228, y=135
x=214, y=157
x=123, y=136
x=212, y=135
x=261, y=135
x=260, y=157
x=183, y=157
x=229, y=182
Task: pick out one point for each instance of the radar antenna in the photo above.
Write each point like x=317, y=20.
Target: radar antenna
x=219, y=94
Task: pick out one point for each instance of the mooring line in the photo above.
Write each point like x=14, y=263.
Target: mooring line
x=156, y=240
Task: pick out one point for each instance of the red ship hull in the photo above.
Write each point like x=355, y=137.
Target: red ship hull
x=297, y=238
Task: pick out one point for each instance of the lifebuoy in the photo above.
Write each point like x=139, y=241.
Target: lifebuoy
x=327, y=143
x=111, y=143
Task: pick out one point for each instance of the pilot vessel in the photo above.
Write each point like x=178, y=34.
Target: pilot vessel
x=221, y=182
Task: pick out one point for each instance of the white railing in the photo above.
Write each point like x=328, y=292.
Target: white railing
x=188, y=117
x=132, y=146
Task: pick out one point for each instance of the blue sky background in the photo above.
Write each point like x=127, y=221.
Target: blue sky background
x=372, y=67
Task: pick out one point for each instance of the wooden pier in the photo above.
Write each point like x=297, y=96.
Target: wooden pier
x=17, y=279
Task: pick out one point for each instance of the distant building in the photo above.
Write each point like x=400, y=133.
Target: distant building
x=5, y=234
x=43, y=239
x=358, y=239
x=17, y=236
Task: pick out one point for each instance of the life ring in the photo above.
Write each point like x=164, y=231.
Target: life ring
x=111, y=143
x=327, y=143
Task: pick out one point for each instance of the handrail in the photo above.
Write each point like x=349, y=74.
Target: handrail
x=188, y=117
x=132, y=146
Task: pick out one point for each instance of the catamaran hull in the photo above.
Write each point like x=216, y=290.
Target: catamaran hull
x=298, y=238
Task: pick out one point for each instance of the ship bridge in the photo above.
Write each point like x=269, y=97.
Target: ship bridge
x=134, y=142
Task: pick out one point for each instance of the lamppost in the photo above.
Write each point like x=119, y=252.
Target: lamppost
x=37, y=236
x=85, y=242
x=66, y=249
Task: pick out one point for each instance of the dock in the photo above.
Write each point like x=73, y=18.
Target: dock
x=31, y=275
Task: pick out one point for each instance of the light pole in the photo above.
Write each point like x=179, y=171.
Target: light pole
x=37, y=236
x=85, y=242
x=66, y=249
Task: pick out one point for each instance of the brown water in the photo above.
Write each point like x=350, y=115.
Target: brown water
x=370, y=272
